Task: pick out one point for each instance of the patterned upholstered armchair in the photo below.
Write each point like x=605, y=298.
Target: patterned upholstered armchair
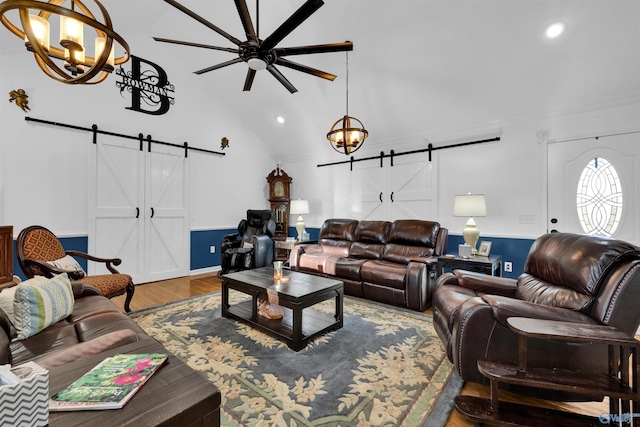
x=40, y=253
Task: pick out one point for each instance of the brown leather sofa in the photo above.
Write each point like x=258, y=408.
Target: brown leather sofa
x=567, y=277
x=391, y=262
x=96, y=325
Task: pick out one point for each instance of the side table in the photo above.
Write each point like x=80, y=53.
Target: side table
x=491, y=265
x=283, y=249
x=620, y=384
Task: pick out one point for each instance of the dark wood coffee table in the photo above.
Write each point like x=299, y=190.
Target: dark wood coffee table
x=176, y=395
x=301, y=322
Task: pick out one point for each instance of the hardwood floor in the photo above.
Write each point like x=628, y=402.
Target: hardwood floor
x=156, y=293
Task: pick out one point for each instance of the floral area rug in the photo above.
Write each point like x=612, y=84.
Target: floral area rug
x=385, y=367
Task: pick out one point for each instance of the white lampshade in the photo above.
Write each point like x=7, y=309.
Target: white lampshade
x=100, y=43
x=40, y=28
x=71, y=33
x=299, y=207
x=470, y=205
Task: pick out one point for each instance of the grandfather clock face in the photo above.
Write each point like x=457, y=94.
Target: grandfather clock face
x=279, y=190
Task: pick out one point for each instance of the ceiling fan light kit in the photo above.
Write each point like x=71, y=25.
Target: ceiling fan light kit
x=264, y=54
x=80, y=68
x=257, y=64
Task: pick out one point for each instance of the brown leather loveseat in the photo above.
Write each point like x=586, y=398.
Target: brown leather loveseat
x=567, y=277
x=391, y=262
x=96, y=325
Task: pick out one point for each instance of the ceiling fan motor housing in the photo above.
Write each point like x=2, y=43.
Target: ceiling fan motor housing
x=251, y=53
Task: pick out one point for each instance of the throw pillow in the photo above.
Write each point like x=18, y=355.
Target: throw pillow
x=39, y=304
x=7, y=296
x=6, y=305
x=67, y=263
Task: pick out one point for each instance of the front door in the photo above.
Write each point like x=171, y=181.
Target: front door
x=566, y=164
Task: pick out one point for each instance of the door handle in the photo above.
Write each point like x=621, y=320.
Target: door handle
x=381, y=197
x=392, y=197
x=137, y=212
x=152, y=212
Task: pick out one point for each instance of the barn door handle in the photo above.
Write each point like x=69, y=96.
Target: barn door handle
x=152, y=212
x=392, y=196
x=137, y=212
x=381, y=197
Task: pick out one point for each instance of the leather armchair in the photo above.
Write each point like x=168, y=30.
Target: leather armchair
x=567, y=277
x=252, y=246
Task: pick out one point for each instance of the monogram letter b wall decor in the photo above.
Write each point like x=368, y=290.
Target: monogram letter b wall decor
x=148, y=85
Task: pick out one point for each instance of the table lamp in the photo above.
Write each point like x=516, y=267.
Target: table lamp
x=470, y=205
x=299, y=207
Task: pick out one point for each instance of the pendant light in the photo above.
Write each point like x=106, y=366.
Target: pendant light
x=347, y=134
x=78, y=67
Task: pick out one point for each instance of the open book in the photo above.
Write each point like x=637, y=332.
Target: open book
x=109, y=385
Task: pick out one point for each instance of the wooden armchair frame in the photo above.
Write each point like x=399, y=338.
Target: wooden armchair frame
x=37, y=247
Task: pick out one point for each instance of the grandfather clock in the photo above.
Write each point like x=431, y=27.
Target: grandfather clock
x=279, y=199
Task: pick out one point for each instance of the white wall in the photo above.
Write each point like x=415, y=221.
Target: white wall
x=511, y=172
x=44, y=169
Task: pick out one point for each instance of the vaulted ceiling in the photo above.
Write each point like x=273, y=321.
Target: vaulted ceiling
x=418, y=66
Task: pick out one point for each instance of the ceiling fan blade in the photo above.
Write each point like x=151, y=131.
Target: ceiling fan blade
x=243, y=10
x=319, y=48
x=305, y=69
x=215, y=67
x=282, y=79
x=205, y=46
x=298, y=17
x=249, y=80
x=204, y=21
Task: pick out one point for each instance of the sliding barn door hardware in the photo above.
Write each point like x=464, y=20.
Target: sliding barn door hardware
x=430, y=148
x=95, y=131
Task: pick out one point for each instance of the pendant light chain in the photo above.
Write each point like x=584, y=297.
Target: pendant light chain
x=347, y=54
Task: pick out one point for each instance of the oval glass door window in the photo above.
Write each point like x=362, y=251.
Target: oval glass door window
x=599, y=198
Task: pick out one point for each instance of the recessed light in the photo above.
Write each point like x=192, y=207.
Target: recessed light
x=555, y=30
x=280, y=119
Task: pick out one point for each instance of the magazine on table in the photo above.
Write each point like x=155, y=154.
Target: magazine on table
x=110, y=384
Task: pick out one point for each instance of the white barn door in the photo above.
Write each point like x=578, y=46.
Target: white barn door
x=167, y=216
x=115, y=198
x=406, y=190
x=413, y=189
x=138, y=208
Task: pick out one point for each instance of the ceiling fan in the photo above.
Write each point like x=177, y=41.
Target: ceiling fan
x=263, y=54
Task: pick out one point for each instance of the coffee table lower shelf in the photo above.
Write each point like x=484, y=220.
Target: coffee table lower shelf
x=314, y=323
